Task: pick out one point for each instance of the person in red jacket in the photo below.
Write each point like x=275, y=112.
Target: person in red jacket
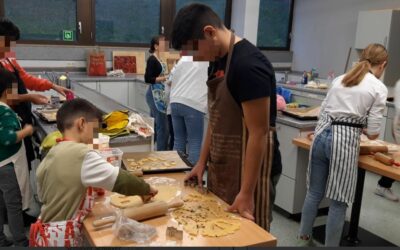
x=9, y=34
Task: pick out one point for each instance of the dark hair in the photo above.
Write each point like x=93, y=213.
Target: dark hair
x=189, y=24
x=6, y=80
x=75, y=109
x=155, y=41
x=9, y=29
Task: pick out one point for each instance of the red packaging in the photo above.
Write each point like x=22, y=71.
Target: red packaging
x=96, y=63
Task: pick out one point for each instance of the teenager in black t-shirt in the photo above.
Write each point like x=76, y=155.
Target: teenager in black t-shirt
x=251, y=81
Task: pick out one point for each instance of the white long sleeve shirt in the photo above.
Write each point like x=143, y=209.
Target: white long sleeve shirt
x=189, y=86
x=366, y=99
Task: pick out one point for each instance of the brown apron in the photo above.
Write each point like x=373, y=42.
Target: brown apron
x=228, y=146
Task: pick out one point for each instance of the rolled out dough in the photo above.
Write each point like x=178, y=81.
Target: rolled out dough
x=165, y=193
x=201, y=214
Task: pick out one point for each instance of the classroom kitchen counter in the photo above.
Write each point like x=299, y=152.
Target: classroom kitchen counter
x=78, y=77
x=301, y=87
x=106, y=105
x=295, y=123
x=249, y=234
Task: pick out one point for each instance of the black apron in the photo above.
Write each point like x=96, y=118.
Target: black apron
x=24, y=111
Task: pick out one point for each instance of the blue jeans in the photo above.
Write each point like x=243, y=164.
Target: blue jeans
x=320, y=162
x=188, y=126
x=161, y=123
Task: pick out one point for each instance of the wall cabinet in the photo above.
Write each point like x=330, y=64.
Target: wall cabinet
x=381, y=26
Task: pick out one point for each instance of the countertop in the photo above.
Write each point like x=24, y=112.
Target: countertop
x=366, y=162
x=292, y=122
x=249, y=234
x=78, y=77
x=300, y=87
x=322, y=92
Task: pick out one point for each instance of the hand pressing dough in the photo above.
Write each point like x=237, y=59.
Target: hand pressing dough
x=201, y=214
x=165, y=193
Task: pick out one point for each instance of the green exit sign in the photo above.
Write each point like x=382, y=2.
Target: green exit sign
x=68, y=35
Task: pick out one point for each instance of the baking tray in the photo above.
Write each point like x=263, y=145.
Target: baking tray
x=301, y=113
x=46, y=115
x=182, y=164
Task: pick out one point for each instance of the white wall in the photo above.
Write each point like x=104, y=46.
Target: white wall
x=245, y=18
x=324, y=30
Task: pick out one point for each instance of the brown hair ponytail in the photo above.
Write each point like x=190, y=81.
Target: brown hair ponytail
x=373, y=55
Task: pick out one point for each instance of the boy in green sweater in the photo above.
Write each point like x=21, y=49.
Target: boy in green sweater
x=12, y=159
x=68, y=174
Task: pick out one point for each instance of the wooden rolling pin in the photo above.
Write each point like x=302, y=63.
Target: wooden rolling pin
x=147, y=211
x=137, y=173
x=367, y=150
x=385, y=159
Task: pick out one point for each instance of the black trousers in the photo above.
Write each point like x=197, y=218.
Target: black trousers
x=171, y=140
x=11, y=206
x=386, y=182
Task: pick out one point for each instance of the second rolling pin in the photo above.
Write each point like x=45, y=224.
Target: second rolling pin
x=385, y=159
x=147, y=211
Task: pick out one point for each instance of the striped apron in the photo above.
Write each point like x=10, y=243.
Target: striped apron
x=342, y=179
x=228, y=146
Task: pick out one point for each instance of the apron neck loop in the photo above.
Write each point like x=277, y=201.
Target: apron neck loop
x=64, y=139
x=230, y=53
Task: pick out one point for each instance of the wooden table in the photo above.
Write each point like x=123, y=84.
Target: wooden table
x=249, y=234
x=365, y=163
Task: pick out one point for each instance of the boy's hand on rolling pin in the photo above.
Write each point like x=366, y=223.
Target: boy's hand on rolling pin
x=153, y=192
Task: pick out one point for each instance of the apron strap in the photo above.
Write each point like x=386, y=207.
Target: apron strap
x=230, y=53
x=38, y=229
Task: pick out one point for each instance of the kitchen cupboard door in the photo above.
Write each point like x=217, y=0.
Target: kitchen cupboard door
x=140, y=98
x=90, y=85
x=131, y=94
x=373, y=27
x=288, y=150
x=118, y=91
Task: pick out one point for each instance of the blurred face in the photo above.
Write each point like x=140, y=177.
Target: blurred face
x=6, y=47
x=163, y=45
x=380, y=70
x=12, y=95
x=204, y=50
x=87, y=130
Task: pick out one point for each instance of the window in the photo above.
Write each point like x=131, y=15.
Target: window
x=274, y=25
x=98, y=22
x=57, y=20
x=219, y=6
x=127, y=21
